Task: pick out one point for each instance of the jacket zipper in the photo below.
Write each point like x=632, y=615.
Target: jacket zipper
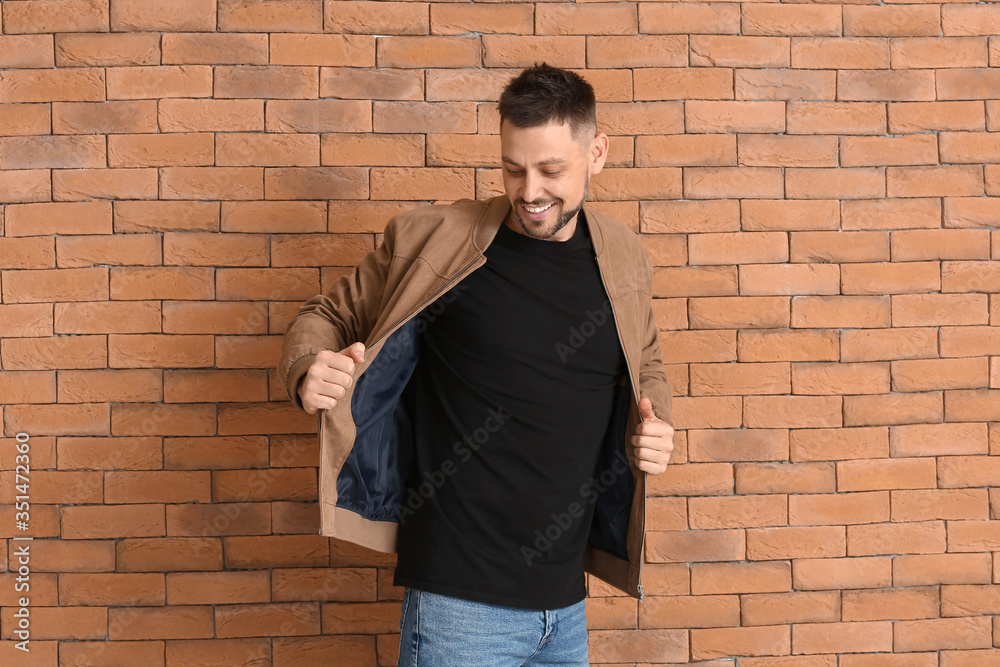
x=441, y=290
x=635, y=392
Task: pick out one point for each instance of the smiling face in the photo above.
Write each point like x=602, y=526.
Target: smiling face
x=546, y=172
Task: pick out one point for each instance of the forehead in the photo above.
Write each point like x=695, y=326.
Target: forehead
x=543, y=142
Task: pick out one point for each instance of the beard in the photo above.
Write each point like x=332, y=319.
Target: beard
x=542, y=232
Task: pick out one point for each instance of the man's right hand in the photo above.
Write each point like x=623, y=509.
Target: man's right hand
x=329, y=376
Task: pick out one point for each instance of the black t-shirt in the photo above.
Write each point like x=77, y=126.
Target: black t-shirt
x=511, y=399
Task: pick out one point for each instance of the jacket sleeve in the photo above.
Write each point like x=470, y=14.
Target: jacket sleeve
x=653, y=382
x=335, y=320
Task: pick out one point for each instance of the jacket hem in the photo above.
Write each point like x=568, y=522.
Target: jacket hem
x=351, y=526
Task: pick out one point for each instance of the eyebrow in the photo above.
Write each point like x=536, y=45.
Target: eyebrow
x=552, y=161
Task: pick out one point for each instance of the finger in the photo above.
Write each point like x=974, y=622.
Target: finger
x=332, y=376
x=659, y=428
x=651, y=468
x=646, y=409
x=652, y=455
x=355, y=351
x=652, y=441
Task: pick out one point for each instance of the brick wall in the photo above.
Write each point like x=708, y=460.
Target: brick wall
x=816, y=185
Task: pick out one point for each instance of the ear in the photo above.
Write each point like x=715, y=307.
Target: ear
x=598, y=153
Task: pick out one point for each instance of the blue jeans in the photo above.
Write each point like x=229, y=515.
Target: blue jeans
x=443, y=631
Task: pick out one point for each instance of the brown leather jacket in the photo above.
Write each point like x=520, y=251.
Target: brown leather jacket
x=364, y=454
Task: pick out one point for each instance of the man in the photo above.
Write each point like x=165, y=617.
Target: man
x=492, y=395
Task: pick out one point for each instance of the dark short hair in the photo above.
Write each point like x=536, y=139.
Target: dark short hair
x=542, y=94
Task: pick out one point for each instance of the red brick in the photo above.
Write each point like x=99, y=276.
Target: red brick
x=739, y=312
x=695, y=479
x=892, y=21
x=841, y=312
x=277, y=216
x=790, y=279
x=638, y=645
x=27, y=320
x=836, y=118
x=762, y=640
x=664, y=83
x=970, y=20
x=317, y=116
x=881, y=214
x=217, y=651
x=125, y=386
x=791, y=20
x=813, y=345
x=888, y=344
x=433, y=51
x=838, y=509
x=972, y=405
x=110, y=453
x=731, y=117
x=785, y=84
x=52, y=151
x=939, y=52
x=871, y=637
x=50, y=353
x=966, y=83
x=324, y=50
x=115, y=589
x=969, y=212
x=783, y=608
x=685, y=150
x=182, y=15
x=890, y=278
x=841, y=53
x=792, y=411
x=371, y=84
x=796, y=542
x=752, y=478
x=396, y=18
x=932, y=569
x=53, y=85
x=241, y=150
x=42, y=16
x=192, y=115
x=697, y=546
x=835, y=183
x=98, y=521
x=24, y=186
x=214, y=49
x=942, y=633
x=739, y=51
x=107, y=50
x=620, y=184
x=873, y=151
x=314, y=183
x=141, y=419
x=785, y=151
x=232, y=183
x=969, y=341
x=694, y=18
x=841, y=573
x=691, y=346
x=703, y=611
x=265, y=81
x=910, y=117
x=87, y=184
x=26, y=51
x=641, y=118
x=176, y=622
x=274, y=15
x=135, y=83
x=86, y=654
x=637, y=51
x=277, y=551
x=27, y=387
x=939, y=309
x=779, y=215
x=877, y=474
x=737, y=512
x=838, y=379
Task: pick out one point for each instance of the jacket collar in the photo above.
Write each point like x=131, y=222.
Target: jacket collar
x=498, y=208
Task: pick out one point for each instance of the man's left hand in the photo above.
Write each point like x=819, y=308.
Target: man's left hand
x=653, y=440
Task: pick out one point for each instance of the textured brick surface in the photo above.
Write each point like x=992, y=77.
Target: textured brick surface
x=816, y=183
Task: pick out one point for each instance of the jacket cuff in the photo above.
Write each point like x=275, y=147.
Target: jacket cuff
x=296, y=372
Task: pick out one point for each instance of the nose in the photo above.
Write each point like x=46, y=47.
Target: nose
x=531, y=189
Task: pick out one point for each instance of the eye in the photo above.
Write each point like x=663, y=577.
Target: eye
x=513, y=172
x=551, y=174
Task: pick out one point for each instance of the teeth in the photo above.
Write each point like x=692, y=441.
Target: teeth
x=537, y=209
